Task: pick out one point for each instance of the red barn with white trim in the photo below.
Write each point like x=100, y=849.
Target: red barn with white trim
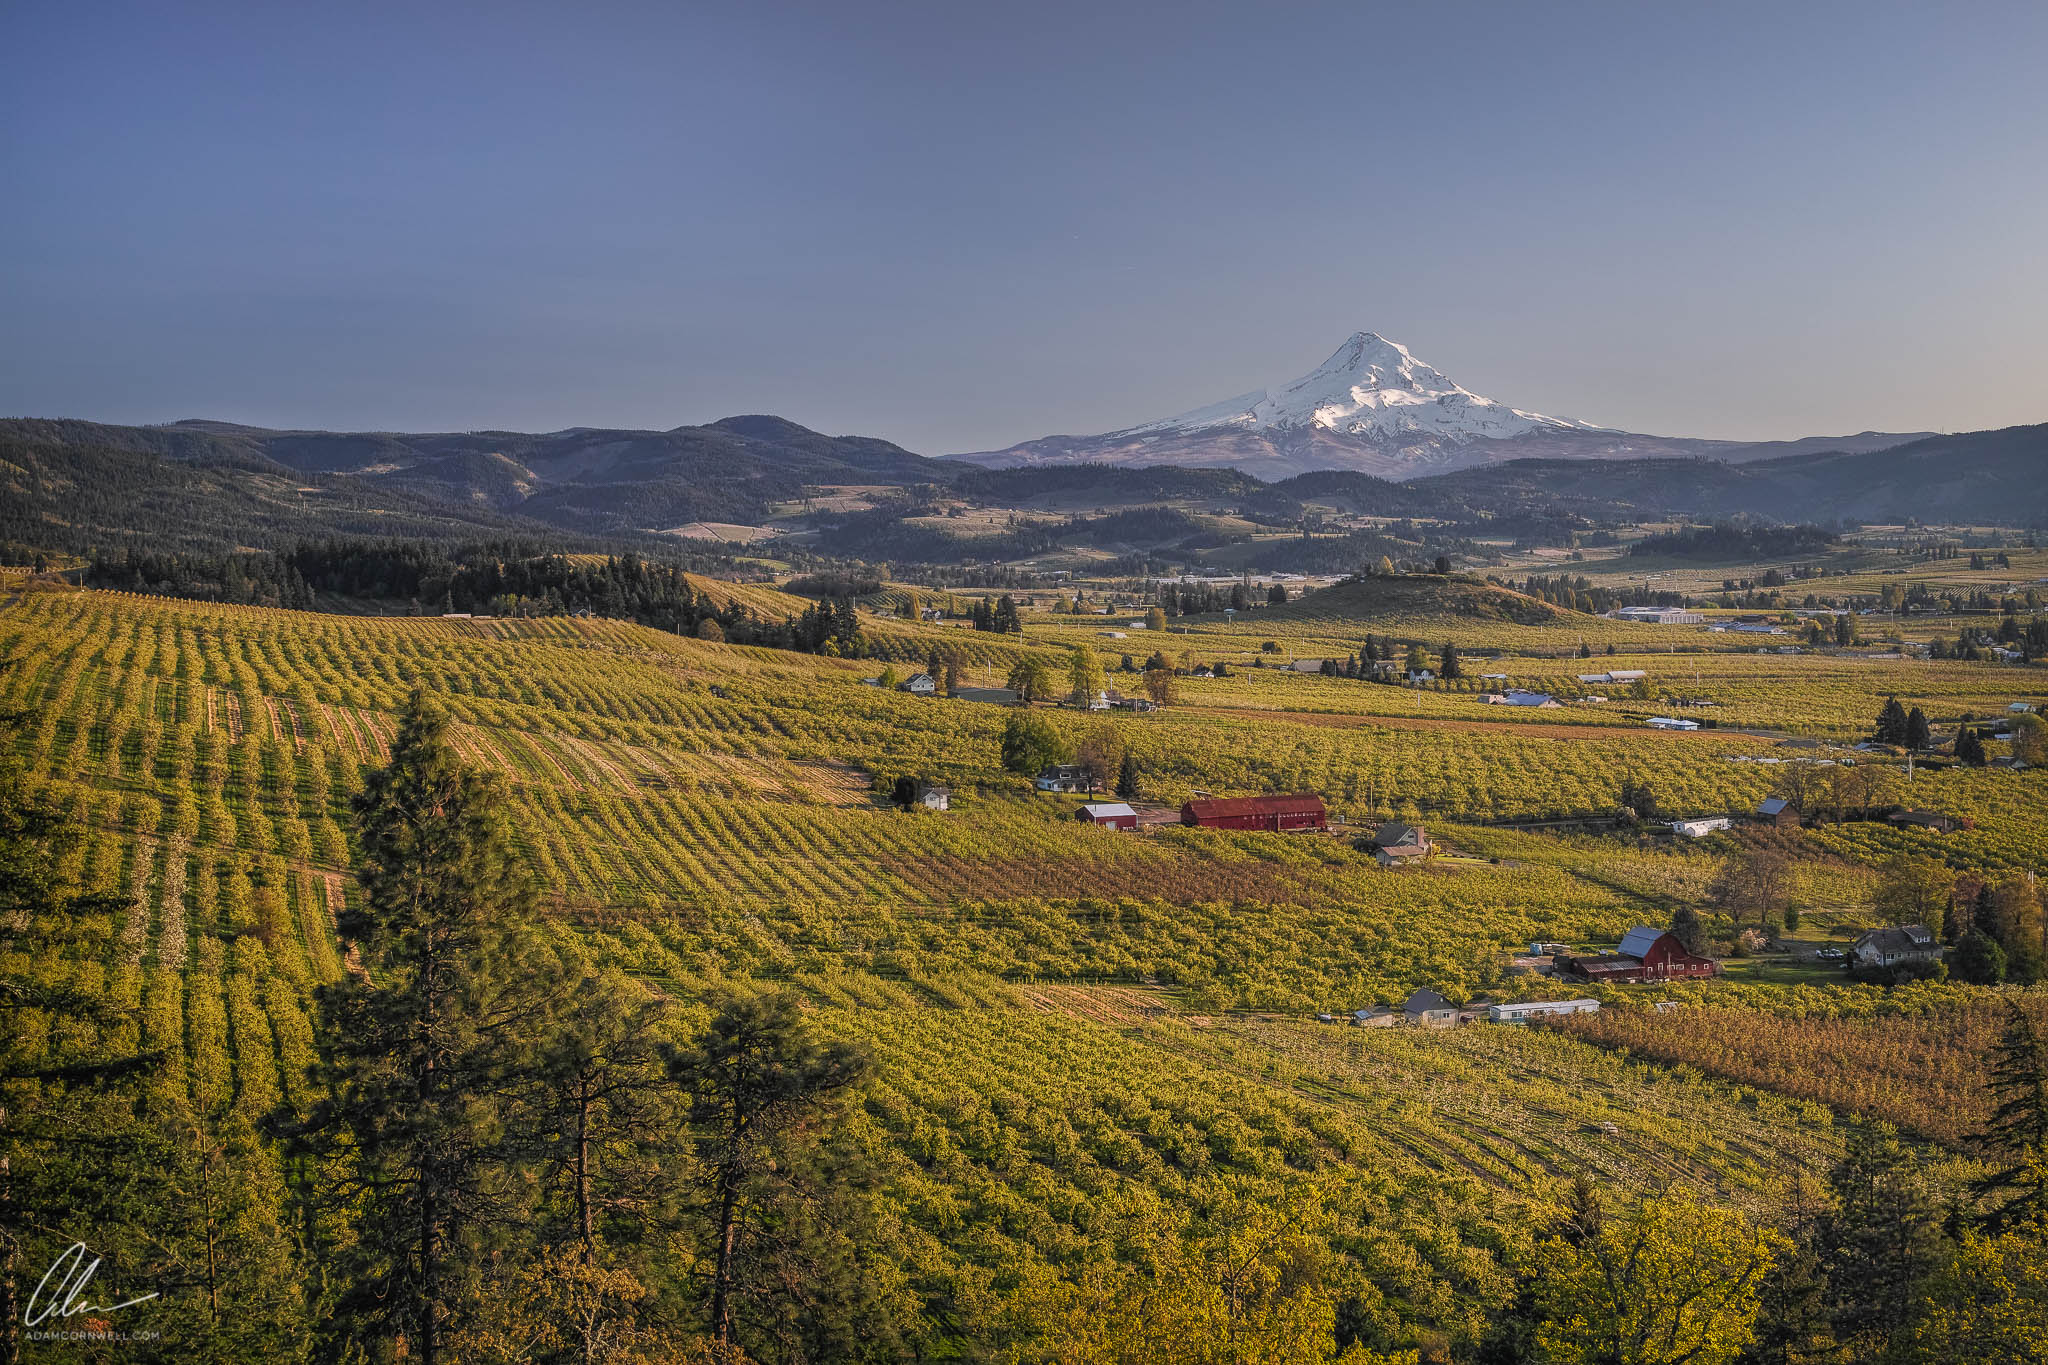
x=1645, y=954
x=1302, y=810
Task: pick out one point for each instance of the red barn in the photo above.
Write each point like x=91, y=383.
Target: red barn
x=1645, y=954
x=1110, y=814
x=1300, y=811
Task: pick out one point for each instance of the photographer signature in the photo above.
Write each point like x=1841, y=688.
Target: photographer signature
x=73, y=1273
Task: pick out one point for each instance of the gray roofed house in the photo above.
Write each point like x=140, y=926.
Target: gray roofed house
x=1396, y=841
x=1890, y=947
x=1427, y=1008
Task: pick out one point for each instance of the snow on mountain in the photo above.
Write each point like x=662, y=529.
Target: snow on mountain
x=1375, y=408
x=1369, y=387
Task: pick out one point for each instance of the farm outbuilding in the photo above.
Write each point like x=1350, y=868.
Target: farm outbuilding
x=1299, y=811
x=1109, y=814
x=1778, y=811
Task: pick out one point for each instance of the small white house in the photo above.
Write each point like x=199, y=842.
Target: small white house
x=1061, y=777
x=1523, y=1011
x=1905, y=943
x=1671, y=723
x=2021, y=708
x=922, y=684
x=934, y=797
x=1702, y=827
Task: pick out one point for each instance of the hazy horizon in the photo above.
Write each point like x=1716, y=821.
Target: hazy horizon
x=925, y=223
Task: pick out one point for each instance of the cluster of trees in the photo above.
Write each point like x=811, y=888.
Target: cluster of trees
x=1881, y=1261
x=999, y=616
x=1579, y=593
x=1180, y=599
x=1970, y=646
x=1737, y=541
x=1996, y=924
x=1031, y=744
x=834, y=583
x=1908, y=729
x=500, y=578
x=513, y=1156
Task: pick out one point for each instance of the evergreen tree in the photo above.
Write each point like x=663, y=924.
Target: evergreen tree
x=1880, y=1242
x=1970, y=748
x=1127, y=778
x=421, y=1056
x=1918, y=736
x=223, y=1239
x=1451, y=668
x=2017, y=1134
x=1690, y=929
x=603, y=1131
x=1891, y=722
x=781, y=1281
x=1792, y=1326
x=1978, y=959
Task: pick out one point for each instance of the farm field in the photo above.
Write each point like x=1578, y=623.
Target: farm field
x=1079, y=1036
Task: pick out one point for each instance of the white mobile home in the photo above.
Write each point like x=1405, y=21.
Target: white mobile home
x=1524, y=1011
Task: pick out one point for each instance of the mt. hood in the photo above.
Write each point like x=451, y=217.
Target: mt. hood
x=1372, y=406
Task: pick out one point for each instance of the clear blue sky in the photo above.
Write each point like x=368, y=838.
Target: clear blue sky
x=958, y=225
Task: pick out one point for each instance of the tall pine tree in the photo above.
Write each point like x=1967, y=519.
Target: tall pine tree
x=784, y=1273
x=2017, y=1134
x=419, y=1055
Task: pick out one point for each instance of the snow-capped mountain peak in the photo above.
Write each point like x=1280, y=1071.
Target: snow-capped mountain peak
x=1369, y=387
x=1373, y=407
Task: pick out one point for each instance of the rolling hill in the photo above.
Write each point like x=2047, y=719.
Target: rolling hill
x=1369, y=600
x=587, y=479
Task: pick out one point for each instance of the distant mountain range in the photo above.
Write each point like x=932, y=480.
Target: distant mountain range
x=1374, y=408
x=594, y=481
x=73, y=485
